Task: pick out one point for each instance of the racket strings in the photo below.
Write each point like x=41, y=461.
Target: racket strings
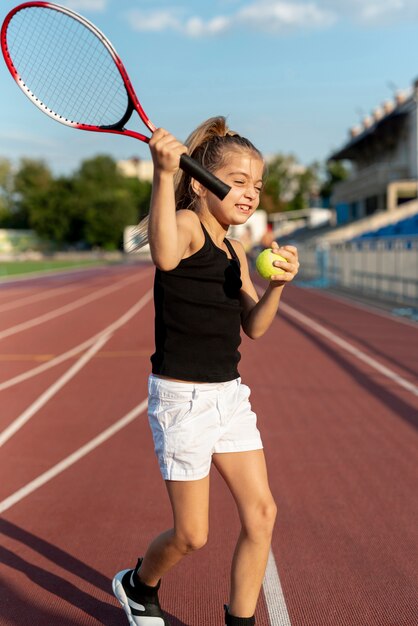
x=66, y=67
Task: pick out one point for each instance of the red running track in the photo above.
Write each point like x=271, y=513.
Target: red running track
x=334, y=386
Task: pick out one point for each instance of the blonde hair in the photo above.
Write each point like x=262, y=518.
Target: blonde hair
x=209, y=144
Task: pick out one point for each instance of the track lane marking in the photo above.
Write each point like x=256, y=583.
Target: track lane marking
x=348, y=347
x=52, y=390
x=276, y=604
x=365, y=306
x=26, y=357
x=100, y=340
x=109, y=354
x=80, y=347
x=46, y=317
x=38, y=297
x=345, y=345
x=70, y=460
x=273, y=594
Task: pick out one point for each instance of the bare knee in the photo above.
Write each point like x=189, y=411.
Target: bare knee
x=260, y=521
x=188, y=541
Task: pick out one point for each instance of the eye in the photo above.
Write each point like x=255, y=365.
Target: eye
x=258, y=189
x=239, y=182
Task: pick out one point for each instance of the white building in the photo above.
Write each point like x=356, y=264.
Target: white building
x=136, y=168
x=383, y=153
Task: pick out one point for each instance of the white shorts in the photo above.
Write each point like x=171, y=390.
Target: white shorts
x=192, y=421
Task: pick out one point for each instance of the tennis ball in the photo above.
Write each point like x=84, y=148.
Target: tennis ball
x=264, y=264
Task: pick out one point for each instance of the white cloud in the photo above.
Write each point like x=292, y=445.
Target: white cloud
x=373, y=12
x=87, y=5
x=265, y=15
x=154, y=21
x=172, y=19
x=282, y=16
x=195, y=26
x=271, y=16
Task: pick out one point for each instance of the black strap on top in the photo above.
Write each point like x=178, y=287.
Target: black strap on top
x=231, y=250
x=226, y=242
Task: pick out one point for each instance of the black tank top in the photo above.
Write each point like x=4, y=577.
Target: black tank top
x=198, y=316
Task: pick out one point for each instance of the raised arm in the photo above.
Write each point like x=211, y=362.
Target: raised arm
x=169, y=233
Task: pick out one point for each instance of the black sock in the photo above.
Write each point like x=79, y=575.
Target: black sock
x=232, y=620
x=147, y=591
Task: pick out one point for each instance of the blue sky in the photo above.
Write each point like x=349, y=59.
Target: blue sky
x=293, y=76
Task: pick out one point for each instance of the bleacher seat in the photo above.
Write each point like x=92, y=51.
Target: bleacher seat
x=406, y=227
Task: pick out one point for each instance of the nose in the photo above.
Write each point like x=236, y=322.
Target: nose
x=251, y=192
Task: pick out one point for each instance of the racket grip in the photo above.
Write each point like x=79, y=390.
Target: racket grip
x=208, y=180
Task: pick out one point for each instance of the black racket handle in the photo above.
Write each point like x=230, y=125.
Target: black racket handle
x=208, y=180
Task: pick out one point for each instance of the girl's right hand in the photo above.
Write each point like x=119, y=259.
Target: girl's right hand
x=166, y=151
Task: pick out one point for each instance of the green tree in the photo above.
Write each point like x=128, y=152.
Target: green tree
x=335, y=172
x=307, y=187
x=107, y=216
x=6, y=193
x=32, y=181
x=92, y=206
x=107, y=200
x=55, y=215
x=288, y=185
x=141, y=191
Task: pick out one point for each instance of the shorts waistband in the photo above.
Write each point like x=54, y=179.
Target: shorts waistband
x=195, y=388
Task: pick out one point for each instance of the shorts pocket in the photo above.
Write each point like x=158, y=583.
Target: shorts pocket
x=172, y=413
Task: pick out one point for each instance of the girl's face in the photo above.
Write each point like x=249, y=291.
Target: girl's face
x=243, y=172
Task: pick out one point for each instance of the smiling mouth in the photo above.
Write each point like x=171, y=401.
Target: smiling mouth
x=243, y=207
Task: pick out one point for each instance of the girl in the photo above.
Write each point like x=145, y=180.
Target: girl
x=198, y=408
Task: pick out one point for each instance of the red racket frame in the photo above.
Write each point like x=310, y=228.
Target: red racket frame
x=192, y=167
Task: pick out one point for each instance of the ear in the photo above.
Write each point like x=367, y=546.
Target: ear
x=198, y=188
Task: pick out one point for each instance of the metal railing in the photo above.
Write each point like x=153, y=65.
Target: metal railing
x=385, y=268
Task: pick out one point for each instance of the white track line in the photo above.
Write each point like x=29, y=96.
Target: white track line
x=52, y=390
x=72, y=458
x=82, y=346
x=36, y=297
x=348, y=347
x=276, y=604
x=273, y=593
x=46, y=317
x=370, y=308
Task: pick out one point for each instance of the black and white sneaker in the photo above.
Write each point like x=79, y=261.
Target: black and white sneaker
x=140, y=602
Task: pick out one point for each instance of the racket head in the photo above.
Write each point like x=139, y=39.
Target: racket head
x=69, y=69
x=45, y=46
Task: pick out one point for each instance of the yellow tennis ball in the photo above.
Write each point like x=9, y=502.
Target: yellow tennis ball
x=264, y=264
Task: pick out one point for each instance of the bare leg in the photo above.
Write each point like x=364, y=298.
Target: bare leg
x=246, y=476
x=190, y=504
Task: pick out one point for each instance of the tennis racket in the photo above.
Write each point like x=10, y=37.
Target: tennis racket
x=69, y=69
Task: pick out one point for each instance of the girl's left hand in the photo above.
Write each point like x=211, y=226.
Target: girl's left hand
x=290, y=267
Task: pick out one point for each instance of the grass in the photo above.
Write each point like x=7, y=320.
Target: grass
x=13, y=268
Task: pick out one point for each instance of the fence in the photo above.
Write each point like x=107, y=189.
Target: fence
x=385, y=268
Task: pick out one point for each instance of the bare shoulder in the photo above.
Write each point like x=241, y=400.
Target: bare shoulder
x=187, y=219
x=189, y=225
